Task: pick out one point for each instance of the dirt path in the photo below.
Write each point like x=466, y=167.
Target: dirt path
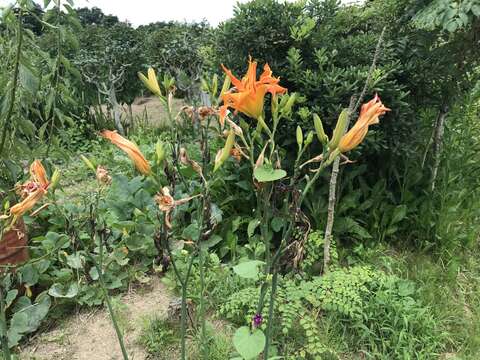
x=90, y=335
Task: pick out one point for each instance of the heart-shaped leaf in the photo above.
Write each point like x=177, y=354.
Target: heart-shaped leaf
x=267, y=173
x=248, y=269
x=249, y=344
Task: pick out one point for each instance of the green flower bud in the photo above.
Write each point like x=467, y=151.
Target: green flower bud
x=299, y=137
x=160, y=152
x=309, y=138
x=339, y=129
x=317, y=122
x=55, y=179
x=224, y=153
x=214, y=85
x=88, y=163
x=289, y=104
x=226, y=85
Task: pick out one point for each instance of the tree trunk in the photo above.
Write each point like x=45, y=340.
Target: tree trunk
x=116, y=110
x=130, y=115
x=437, y=143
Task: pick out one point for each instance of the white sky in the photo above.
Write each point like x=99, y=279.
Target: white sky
x=139, y=12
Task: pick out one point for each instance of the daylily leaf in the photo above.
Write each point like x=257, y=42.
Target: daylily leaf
x=266, y=174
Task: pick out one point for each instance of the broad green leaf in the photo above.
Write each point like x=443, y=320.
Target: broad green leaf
x=93, y=273
x=248, y=269
x=252, y=225
x=191, y=232
x=212, y=241
x=62, y=291
x=74, y=261
x=277, y=223
x=266, y=174
x=28, y=319
x=249, y=344
x=11, y=296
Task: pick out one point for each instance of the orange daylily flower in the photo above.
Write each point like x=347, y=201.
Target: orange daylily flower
x=369, y=115
x=130, y=149
x=38, y=174
x=28, y=203
x=248, y=94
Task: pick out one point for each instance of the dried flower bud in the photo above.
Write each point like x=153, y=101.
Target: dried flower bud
x=236, y=129
x=102, y=176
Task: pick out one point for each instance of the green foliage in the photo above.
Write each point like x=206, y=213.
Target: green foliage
x=358, y=298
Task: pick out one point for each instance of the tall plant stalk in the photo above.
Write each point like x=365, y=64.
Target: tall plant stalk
x=332, y=191
x=13, y=90
x=99, y=267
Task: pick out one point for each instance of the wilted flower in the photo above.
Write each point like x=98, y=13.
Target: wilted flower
x=130, y=149
x=189, y=112
x=151, y=81
x=167, y=203
x=164, y=200
x=204, y=111
x=102, y=175
x=249, y=93
x=369, y=115
x=236, y=154
x=185, y=160
x=32, y=191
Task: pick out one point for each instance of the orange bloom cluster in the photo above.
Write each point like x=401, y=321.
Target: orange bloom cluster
x=33, y=190
x=369, y=115
x=248, y=94
x=130, y=149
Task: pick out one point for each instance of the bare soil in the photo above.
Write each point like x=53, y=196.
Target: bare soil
x=89, y=335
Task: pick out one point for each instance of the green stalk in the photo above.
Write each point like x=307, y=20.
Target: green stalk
x=183, y=285
x=109, y=304
x=268, y=333
x=13, y=90
x=3, y=326
x=101, y=279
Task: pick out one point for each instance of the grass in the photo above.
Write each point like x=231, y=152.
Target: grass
x=161, y=337
x=450, y=288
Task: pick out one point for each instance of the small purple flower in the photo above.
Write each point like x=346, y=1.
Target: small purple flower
x=257, y=320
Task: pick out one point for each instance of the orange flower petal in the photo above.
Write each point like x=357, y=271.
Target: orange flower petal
x=130, y=149
x=28, y=203
x=38, y=173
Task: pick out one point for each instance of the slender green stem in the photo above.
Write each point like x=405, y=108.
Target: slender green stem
x=3, y=326
x=13, y=90
x=271, y=306
x=107, y=300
